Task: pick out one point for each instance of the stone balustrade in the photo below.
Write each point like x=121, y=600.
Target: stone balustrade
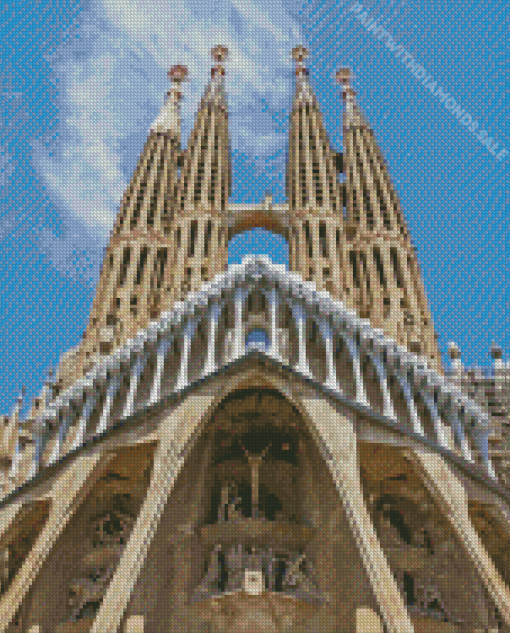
x=209, y=330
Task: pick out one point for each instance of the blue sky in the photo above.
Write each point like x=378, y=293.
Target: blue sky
x=82, y=81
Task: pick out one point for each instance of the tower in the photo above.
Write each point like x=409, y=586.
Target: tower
x=170, y=235
x=385, y=284
x=316, y=233
x=187, y=478
x=200, y=237
x=132, y=283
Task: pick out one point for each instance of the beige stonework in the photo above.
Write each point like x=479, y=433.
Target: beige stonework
x=442, y=480
x=195, y=482
x=68, y=492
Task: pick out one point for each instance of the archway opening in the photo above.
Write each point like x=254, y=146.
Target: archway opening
x=257, y=338
x=258, y=241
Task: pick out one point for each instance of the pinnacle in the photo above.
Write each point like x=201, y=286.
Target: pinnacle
x=352, y=116
x=303, y=95
x=215, y=92
x=169, y=118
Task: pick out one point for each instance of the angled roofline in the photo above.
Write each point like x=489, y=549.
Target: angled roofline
x=252, y=269
x=126, y=424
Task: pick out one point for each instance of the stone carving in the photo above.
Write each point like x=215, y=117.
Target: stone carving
x=429, y=602
x=87, y=590
x=210, y=584
x=235, y=559
x=297, y=581
x=230, y=503
x=112, y=528
x=286, y=573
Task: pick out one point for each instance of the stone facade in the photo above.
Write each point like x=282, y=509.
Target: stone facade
x=251, y=448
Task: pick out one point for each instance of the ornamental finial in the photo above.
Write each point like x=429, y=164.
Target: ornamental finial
x=219, y=53
x=168, y=120
x=177, y=73
x=343, y=76
x=299, y=53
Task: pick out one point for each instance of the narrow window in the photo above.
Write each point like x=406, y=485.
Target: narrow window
x=192, y=238
x=409, y=589
x=306, y=226
x=323, y=239
x=207, y=238
x=161, y=258
x=379, y=266
x=396, y=267
x=141, y=264
x=125, y=265
x=363, y=259
x=354, y=266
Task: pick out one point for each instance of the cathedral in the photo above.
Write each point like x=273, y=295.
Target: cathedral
x=256, y=448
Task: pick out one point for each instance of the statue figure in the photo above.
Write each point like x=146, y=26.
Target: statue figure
x=210, y=582
x=254, y=560
x=296, y=581
x=235, y=560
x=230, y=502
x=269, y=568
x=87, y=589
x=234, y=508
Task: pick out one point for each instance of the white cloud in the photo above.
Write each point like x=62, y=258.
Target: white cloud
x=114, y=85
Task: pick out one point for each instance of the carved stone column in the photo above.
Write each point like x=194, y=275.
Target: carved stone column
x=91, y=397
x=459, y=431
x=213, y=317
x=168, y=462
x=239, y=297
x=411, y=406
x=436, y=419
x=161, y=353
x=352, y=346
x=388, y=409
x=300, y=319
x=111, y=391
x=273, y=313
x=74, y=484
x=327, y=335
x=448, y=487
x=189, y=330
x=134, y=379
x=338, y=432
x=482, y=441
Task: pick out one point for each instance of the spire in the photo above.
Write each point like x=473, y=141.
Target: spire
x=311, y=173
x=169, y=119
x=205, y=177
x=303, y=95
x=353, y=117
x=385, y=283
x=372, y=202
x=134, y=263
x=149, y=198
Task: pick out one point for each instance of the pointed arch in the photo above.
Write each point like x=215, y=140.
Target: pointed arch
x=184, y=434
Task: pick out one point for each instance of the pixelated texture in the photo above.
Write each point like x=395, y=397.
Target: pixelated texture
x=253, y=430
